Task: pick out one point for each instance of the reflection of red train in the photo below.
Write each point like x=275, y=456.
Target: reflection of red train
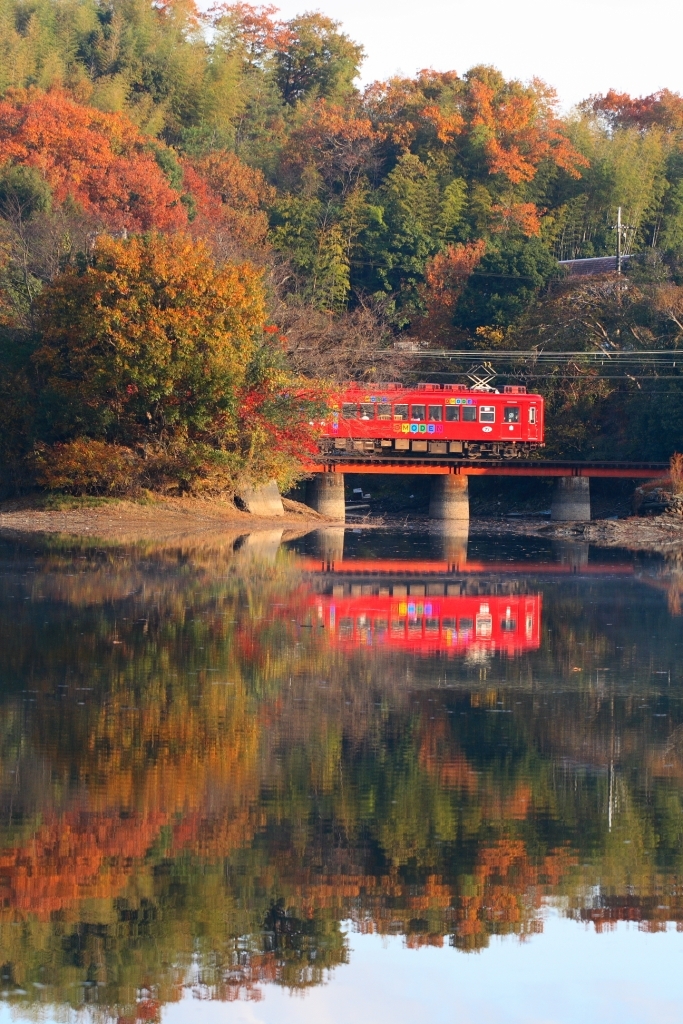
x=433, y=419
x=429, y=624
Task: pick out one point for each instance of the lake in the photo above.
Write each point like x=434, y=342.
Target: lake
x=360, y=774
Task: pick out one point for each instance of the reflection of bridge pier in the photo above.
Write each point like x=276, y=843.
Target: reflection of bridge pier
x=330, y=545
x=571, y=553
x=454, y=535
x=263, y=545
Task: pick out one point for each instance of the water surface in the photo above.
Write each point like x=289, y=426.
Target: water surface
x=359, y=775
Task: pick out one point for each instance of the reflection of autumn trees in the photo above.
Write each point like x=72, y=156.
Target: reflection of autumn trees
x=197, y=786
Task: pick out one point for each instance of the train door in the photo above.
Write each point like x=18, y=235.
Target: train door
x=533, y=414
x=511, y=428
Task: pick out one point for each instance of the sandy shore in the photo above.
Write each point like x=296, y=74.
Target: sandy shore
x=160, y=519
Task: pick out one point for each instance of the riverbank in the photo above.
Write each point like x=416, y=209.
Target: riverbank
x=637, y=533
x=158, y=517
x=165, y=518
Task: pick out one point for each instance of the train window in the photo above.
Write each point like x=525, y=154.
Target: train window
x=414, y=627
x=532, y=414
x=448, y=624
x=452, y=413
x=417, y=412
x=508, y=625
x=431, y=625
x=367, y=411
x=484, y=625
x=469, y=413
x=349, y=410
x=398, y=627
x=384, y=411
x=511, y=414
x=400, y=412
x=435, y=414
x=487, y=414
x=465, y=625
x=346, y=627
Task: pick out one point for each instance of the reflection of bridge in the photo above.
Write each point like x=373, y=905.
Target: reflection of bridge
x=398, y=567
x=452, y=539
x=450, y=499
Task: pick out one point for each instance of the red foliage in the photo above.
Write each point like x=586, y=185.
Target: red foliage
x=663, y=109
x=98, y=159
x=73, y=857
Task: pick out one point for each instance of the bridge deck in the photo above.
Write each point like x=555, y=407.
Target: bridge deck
x=443, y=466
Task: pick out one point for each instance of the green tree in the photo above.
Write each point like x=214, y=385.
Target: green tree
x=315, y=59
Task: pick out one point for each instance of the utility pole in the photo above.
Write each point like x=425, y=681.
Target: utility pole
x=619, y=240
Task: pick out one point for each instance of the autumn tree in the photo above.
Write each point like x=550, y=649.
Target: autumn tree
x=153, y=348
x=99, y=160
x=229, y=201
x=446, y=275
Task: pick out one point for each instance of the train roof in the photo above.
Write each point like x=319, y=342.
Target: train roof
x=393, y=387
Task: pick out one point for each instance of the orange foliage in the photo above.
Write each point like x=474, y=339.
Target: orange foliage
x=229, y=195
x=509, y=891
x=331, y=138
x=73, y=857
x=447, y=125
x=519, y=135
x=526, y=216
x=446, y=275
x=405, y=109
x=254, y=26
x=98, y=159
x=451, y=768
x=86, y=466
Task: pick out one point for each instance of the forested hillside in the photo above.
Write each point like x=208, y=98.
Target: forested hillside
x=200, y=210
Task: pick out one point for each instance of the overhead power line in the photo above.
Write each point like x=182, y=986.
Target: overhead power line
x=665, y=355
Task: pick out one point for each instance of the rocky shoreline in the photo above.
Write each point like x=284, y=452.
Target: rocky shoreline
x=661, y=533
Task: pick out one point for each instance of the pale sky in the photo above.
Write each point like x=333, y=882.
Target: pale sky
x=580, y=47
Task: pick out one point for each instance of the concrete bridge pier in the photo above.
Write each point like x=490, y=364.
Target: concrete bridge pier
x=571, y=500
x=325, y=493
x=449, y=498
x=263, y=501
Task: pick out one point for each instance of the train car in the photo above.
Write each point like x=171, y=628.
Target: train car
x=433, y=420
x=451, y=625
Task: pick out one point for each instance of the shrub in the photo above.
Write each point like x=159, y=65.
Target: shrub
x=85, y=466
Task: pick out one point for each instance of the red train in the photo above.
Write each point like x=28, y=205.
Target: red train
x=433, y=419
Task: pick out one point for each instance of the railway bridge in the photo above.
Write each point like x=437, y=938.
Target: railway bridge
x=450, y=490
